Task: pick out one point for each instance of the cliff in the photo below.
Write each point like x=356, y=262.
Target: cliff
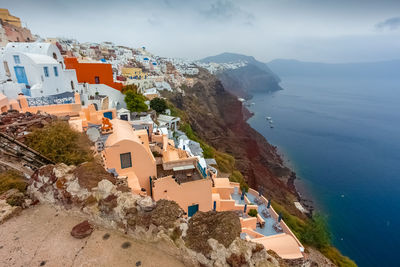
x=252, y=76
x=217, y=117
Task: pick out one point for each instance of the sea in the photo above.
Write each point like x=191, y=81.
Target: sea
x=342, y=137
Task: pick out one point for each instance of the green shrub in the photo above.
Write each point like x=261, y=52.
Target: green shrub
x=12, y=179
x=135, y=102
x=337, y=258
x=60, y=143
x=253, y=213
x=158, y=104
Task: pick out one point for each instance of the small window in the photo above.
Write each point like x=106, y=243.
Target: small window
x=96, y=79
x=72, y=85
x=55, y=71
x=17, y=60
x=126, y=160
x=46, y=71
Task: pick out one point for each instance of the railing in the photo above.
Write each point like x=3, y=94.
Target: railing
x=64, y=98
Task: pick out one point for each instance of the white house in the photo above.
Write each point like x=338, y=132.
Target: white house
x=39, y=67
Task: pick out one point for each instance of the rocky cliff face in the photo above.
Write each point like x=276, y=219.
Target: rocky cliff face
x=217, y=117
x=252, y=76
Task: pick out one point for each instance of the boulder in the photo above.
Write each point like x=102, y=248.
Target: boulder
x=7, y=211
x=146, y=204
x=104, y=189
x=224, y=227
x=82, y=230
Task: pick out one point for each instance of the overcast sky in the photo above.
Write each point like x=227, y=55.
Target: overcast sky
x=310, y=30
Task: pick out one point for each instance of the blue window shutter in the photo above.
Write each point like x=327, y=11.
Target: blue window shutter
x=55, y=71
x=46, y=71
x=17, y=59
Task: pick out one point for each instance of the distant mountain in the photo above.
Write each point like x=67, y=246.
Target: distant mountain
x=251, y=76
x=289, y=67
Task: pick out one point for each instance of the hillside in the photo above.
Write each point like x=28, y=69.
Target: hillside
x=217, y=117
x=253, y=76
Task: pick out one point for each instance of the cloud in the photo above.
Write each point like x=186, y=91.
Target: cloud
x=391, y=24
x=224, y=10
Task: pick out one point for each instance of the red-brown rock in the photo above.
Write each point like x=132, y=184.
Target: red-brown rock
x=82, y=230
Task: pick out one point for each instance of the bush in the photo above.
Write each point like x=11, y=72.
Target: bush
x=135, y=102
x=158, y=104
x=315, y=232
x=60, y=143
x=253, y=213
x=337, y=258
x=12, y=179
x=130, y=87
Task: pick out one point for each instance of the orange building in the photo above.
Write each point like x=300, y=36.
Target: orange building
x=93, y=73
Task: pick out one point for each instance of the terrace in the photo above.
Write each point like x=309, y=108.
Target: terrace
x=182, y=174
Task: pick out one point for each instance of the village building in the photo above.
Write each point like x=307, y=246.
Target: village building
x=38, y=67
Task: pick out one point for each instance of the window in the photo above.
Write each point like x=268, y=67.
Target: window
x=17, y=60
x=46, y=71
x=126, y=161
x=72, y=85
x=55, y=71
x=96, y=79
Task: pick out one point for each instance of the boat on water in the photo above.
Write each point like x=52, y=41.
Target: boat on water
x=271, y=126
x=268, y=118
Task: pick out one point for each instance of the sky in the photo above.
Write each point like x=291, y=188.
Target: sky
x=308, y=30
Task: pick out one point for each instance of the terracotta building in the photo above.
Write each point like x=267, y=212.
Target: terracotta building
x=92, y=72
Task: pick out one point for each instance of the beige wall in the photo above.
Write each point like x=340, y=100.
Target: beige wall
x=143, y=162
x=250, y=223
x=185, y=194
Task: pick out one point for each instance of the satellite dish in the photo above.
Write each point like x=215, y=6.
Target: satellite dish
x=93, y=134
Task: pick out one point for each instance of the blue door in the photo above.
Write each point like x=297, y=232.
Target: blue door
x=21, y=75
x=108, y=115
x=193, y=209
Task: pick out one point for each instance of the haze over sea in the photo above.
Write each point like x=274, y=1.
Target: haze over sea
x=341, y=134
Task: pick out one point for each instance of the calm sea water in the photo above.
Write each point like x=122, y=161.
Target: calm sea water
x=342, y=137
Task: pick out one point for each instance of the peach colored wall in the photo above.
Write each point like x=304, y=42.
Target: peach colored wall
x=224, y=192
x=252, y=233
x=185, y=194
x=143, y=163
x=4, y=103
x=249, y=223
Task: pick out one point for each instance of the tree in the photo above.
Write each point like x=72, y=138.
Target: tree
x=135, y=102
x=158, y=104
x=129, y=87
x=60, y=143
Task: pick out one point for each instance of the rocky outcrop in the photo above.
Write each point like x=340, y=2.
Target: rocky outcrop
x=144, y=219
x=224, y=227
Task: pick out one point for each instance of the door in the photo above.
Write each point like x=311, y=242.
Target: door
x=108, y=115
x=192, y=210
x=21, y=75
x=124, y=117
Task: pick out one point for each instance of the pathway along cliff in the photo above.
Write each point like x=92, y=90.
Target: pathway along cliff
x=218, y=118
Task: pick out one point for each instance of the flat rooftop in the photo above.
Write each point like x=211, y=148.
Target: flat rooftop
x=181, y=176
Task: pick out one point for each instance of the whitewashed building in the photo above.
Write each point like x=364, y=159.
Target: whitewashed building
x=38, y=67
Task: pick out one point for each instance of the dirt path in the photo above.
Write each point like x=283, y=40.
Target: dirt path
x=40, y=236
